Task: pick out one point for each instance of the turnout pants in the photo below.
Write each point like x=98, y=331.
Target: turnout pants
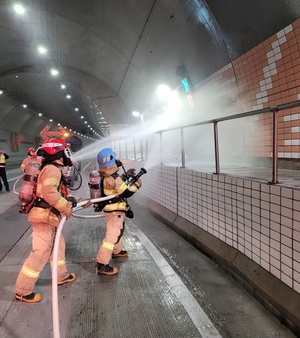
x=4, y=179
x=43, y=236
x=112, y=242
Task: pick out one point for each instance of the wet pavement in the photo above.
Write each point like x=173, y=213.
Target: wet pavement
x=165, y=288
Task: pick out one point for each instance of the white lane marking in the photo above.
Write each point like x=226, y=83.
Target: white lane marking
x=199, y=318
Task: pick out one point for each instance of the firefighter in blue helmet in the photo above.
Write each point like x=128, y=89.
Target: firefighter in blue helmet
x=114, y=210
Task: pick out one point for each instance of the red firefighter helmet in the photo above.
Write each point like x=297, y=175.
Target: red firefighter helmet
x=54, y=146
x=31, y=150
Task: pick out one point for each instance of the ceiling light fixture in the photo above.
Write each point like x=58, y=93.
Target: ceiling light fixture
x=42, y=50
x=19, y=8
x=136, y=113
x=68, y=96
x=54, y=72
x=163, y=91
x=63, y=86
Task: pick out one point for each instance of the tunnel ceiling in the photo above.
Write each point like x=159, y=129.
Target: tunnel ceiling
x=111, y=55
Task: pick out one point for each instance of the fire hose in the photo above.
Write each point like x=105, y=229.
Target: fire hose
x=56, y=333
x=131, y=181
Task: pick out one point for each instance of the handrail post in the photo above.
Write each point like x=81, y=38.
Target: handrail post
x=134, y=150
x=147, y=148
x=182, y=148
x=275, y=146
x=161, y=148
x=216, y=143
x=142, y=150
x=120, y=148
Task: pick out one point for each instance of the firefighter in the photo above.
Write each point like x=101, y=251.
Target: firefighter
x=52, y=202
x=3, y=158
x=114, y=210
x=31, y=157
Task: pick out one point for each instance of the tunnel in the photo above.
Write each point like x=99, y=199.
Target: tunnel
x=205, y=96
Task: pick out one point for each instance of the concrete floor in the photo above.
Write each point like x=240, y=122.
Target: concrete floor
x=165, y=288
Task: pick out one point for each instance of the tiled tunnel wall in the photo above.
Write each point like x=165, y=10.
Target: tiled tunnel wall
x=266, y=76
x=261, y=221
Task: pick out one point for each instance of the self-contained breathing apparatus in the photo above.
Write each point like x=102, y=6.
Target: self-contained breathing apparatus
x=28, y=187
x=97, y=190
x=27, y=194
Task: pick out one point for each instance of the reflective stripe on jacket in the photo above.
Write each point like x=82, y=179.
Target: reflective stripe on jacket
x=49, y=188
x=3, y=158
x=115, y=185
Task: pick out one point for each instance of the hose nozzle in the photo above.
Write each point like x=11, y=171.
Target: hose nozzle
x=137, y=176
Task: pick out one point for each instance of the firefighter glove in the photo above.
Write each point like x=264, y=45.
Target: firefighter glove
x=98, y=207
x=72, y=200
x=138, y=183
x=68, y=211
x=87, y=204
x=130, y=172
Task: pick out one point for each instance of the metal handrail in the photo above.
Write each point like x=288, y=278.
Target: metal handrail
x=273, y=109
x=239, y=115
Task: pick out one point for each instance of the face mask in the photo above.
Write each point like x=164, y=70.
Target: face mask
x=67, y=154
x=67, y=161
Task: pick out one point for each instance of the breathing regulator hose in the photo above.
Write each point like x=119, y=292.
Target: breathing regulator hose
x=56, y=333
x=80, y=179
x=15, y=184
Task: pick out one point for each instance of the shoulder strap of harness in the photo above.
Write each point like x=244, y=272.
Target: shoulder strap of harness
x=41, y=203
x=112, y=200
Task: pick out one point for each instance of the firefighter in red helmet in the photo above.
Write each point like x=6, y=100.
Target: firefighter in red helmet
x=52, y=201
x=31, y=157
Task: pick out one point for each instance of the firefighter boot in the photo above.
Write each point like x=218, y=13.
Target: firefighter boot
x=105, y=269
x=122, y=253
x=31, y=298
x=69, y=279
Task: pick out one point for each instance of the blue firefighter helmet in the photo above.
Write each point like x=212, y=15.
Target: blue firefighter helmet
x=106, y=158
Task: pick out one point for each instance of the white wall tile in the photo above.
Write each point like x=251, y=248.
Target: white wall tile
x=261, y=221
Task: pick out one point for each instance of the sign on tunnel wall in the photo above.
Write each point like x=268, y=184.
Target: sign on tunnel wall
x=16, y=145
